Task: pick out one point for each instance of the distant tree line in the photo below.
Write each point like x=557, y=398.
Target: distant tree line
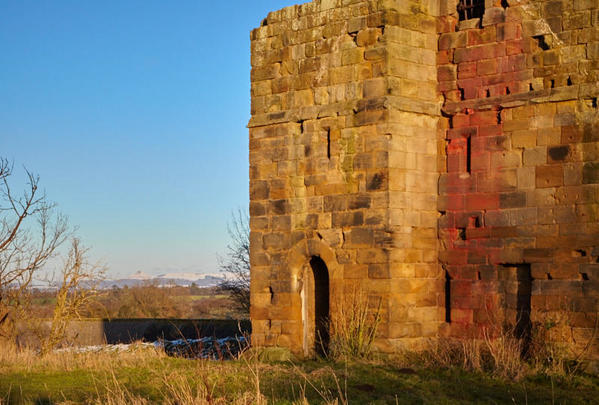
x=148, y=301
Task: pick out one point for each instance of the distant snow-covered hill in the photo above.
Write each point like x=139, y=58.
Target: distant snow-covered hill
x=163, y=280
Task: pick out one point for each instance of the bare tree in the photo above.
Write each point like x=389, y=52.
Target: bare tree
x=78, y=284
x=236, y=263
x=30, y=233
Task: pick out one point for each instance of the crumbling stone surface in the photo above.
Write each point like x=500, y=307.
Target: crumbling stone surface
x=448, y=168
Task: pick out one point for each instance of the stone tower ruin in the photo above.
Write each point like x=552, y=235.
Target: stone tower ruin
x=440, y=155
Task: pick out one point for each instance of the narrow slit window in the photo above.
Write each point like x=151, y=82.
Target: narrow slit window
x=329, y=143
x=447, y=297
x=468, y=9
x=469, y=155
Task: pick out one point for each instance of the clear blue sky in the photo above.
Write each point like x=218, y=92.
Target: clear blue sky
x=133, y=113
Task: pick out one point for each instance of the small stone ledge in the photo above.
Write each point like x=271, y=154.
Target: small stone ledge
x=345, y=109
x=411, y=105
x=304, y=113
x=557, y=94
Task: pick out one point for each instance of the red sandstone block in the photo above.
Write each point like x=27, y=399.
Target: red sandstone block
x=466, y=70
x=462, y=287
x=460, y=120
x=476, y=257
x=457, y=135
x=483, y=118
x=488, y=51
x=514, y=47
x=462, y=316
x=480, y=201
x=486, y=67
x=450, y=202
x=456, y=162
x=488, y=274
x=470, y=87
x=449, y=88
x=446, y=73
x=446, y=225
x=446, y=24
x=480, y=161
x=484, y=318
x=515, y=63
x=490, y=243
x=454, y=256
x=461, y=302
x=457, y=145
x=477, y=233
x=455, y=183
x=443, y=57
x=490, y=130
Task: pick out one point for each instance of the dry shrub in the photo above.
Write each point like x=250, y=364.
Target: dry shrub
x=505, y=353
x=554, y=349
x=447, y=353
x=548, y=349
x=354, y=326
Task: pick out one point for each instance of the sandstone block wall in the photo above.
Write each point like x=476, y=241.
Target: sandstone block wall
x=343, y=165
x=449, y=169
x=520, y=187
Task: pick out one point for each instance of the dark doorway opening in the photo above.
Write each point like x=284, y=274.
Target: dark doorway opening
x=321, y=305
x=523, y=306
x=519, y=280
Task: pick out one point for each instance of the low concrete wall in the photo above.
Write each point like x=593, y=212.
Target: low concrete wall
x=99, y=331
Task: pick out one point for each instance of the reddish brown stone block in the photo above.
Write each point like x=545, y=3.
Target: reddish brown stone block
x=549, y=176
x=487, y=201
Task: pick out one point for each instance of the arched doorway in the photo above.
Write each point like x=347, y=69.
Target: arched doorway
x=315, y=311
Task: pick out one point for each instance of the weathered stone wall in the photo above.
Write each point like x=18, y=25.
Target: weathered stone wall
x=343, y=163
x=450, y=169
x=520, y=188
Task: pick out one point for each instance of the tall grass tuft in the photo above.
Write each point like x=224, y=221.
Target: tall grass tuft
x=354, y=327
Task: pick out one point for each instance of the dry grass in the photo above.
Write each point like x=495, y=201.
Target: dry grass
x=144, y=376
x=354, y=327
x=498, y=352
x=113, y=377
x=492, y=363
x=13, y=358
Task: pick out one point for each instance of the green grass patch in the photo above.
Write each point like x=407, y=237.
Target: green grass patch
x=155, y=378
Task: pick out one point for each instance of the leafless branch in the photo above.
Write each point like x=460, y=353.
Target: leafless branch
x=30, y=233
x=78, y=284
x=236, y=262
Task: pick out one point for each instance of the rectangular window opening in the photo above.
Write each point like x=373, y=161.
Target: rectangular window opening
x=468, y=9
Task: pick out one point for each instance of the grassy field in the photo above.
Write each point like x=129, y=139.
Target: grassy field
x=144, y=375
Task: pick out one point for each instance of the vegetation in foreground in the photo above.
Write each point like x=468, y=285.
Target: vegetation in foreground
x=144, y=375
